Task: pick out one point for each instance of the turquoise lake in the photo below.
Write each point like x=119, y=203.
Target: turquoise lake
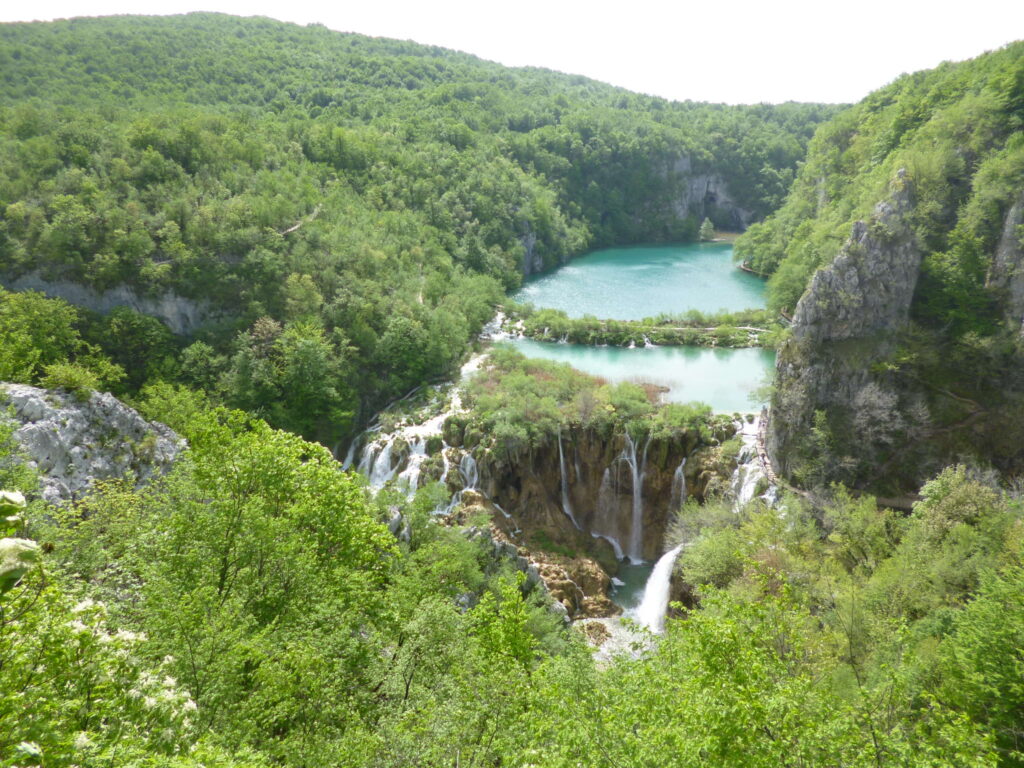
x=635, y=282
x=722, y=378
x=645, y=281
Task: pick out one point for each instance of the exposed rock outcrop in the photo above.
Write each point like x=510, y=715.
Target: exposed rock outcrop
x=599, y=489
x=1006, y=277
x=707, y=195
x=844, y=324
x=74, y=444
x=183, y=316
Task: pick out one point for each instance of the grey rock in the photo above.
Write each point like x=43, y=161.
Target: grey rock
x=705, y=194
x=845, y=322
x=1006, y=276
x=868, y=287
x=183, y=316
x=73, y=444
x=532, y=262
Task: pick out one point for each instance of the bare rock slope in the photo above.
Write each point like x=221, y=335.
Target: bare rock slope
x=74, y=443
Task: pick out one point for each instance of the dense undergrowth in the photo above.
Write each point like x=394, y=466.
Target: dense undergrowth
x=252, y=609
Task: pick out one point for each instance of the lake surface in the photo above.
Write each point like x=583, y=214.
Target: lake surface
x=635, y=282
x=722, y=378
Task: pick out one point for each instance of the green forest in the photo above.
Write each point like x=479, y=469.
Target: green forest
x=345, y=211
x=304, y=226
x=951, y=140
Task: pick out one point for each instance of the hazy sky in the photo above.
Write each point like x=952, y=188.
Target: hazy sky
x=737, y=51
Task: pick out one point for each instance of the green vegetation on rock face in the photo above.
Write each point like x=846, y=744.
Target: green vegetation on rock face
x=907, y=350
x=751, y=328
x=339, y=213
x=956, y=130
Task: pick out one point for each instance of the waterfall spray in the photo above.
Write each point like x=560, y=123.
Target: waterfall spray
x=638, y=470
x=654, y=605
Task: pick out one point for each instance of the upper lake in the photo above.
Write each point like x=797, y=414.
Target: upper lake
x=635, y=282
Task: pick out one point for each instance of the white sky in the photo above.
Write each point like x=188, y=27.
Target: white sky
x=736, y=51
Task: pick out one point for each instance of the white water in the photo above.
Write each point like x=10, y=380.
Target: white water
x=654, y=605
x=748, y=467
x=566, y=506
x=468, y=472
x=638, y=470
x=351, y=455
x=376, y=463
x=678, y=497
x=616, y=547
x=376, y=459
x=606, y=516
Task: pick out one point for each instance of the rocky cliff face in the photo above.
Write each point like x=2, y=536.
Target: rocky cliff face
x=707, y=195
x=601, y=490
x=183, y=316
x=845, y=323
x=74, y=444
x=1006, y=277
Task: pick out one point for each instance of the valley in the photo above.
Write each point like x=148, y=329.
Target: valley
x=373, y=404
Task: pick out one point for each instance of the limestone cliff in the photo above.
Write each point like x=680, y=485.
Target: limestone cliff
x=1006, y=276
x=707, y=195
x=845, y=323
x=73, y=443
x=183, y=316
x=867, y=395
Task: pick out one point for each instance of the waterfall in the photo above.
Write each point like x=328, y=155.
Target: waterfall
x=376, y=464
x=351, y=455
x=638, y=470
x=748, y=467
x=616, y=547
x=566, y=506
x=606, y=517
x=678, y=496
x=654, y=604
x=468, y=471
x=410, y=476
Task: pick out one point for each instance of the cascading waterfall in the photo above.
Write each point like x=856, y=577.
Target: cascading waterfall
x=638, y=470
x=566, y=506
x=616, y=547
x=678, y=497
x=468, y=472
x=410, y=476
x=376, y=458
x=376, y=463
x=350, y=456
x=654, y=604
x=606, y=522
x=748, y=467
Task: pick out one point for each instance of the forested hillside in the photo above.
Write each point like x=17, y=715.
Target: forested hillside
x=330, y=217
x=907, y=347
